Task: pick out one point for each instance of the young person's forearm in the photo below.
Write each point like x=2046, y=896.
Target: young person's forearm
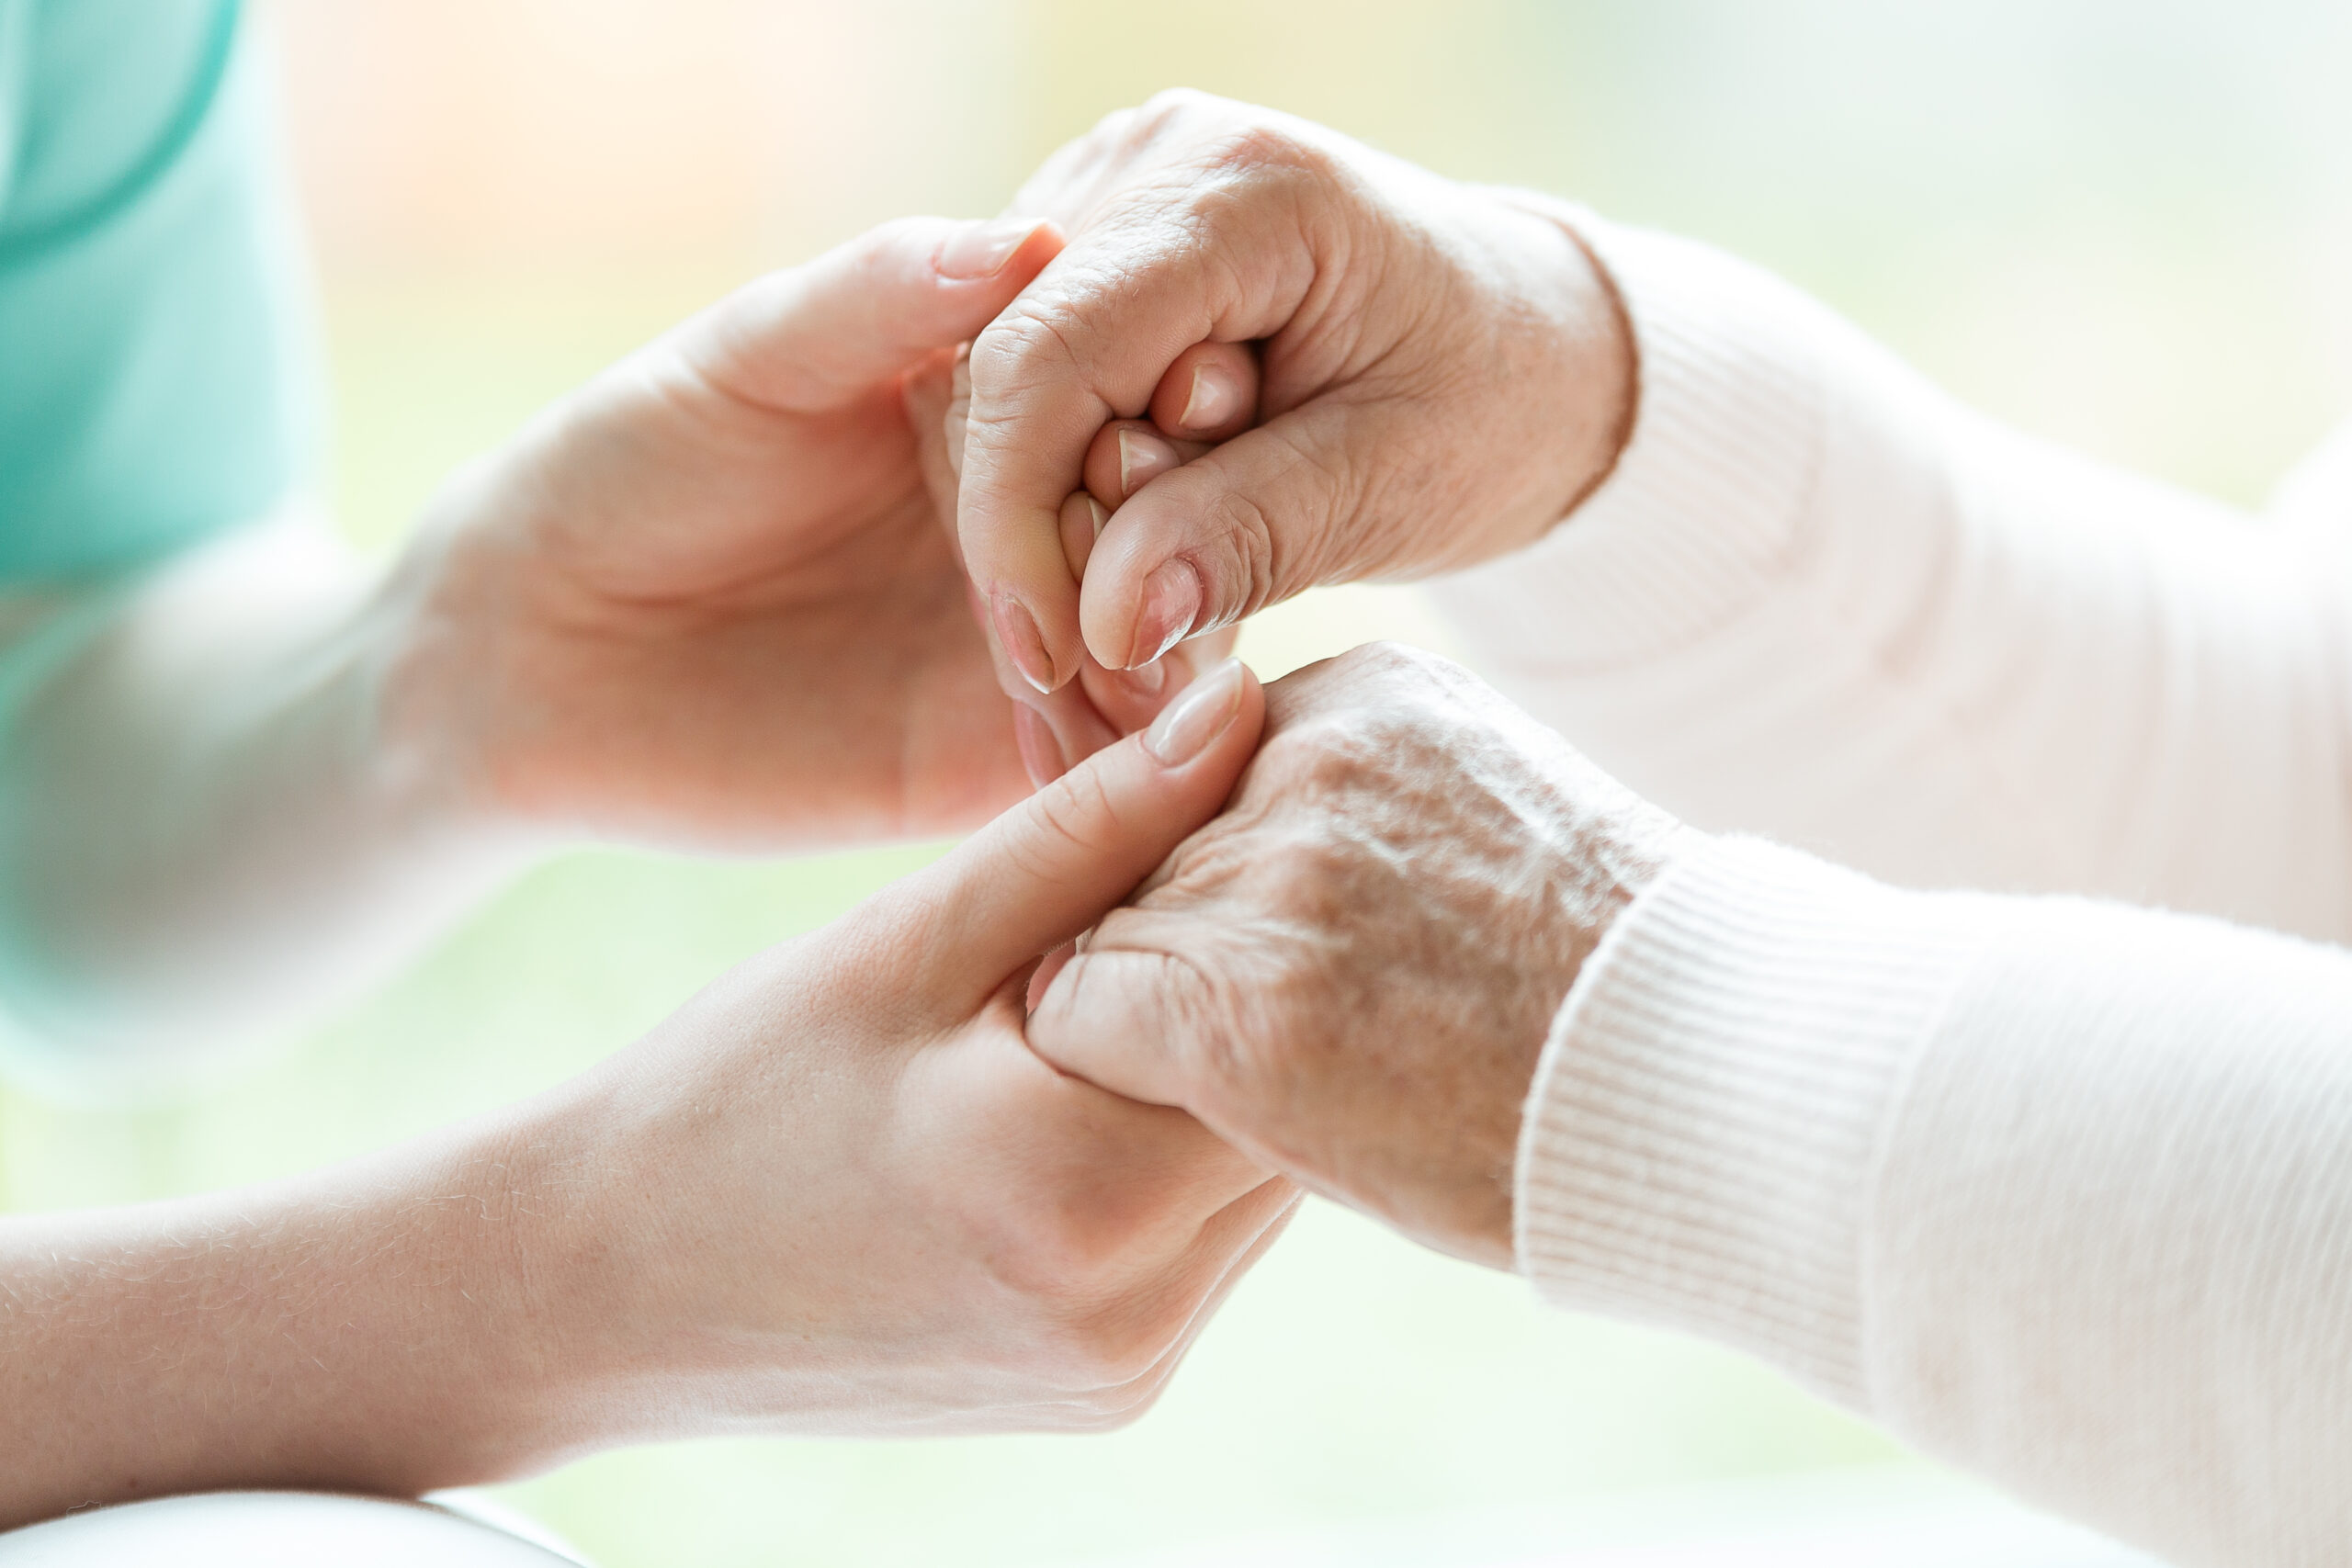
x=382, y=1326
x=214, y=820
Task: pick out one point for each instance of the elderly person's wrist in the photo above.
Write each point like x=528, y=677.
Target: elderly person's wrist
x=1617, y=857
x=1597, y=391
x=1711, y=1111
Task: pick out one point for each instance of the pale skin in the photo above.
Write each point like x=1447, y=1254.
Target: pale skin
x=710, y=600
x=703, y=602
x=706, y=602
x=835, y=1193
x=1350, y=973
x=1325, y=366
x=1430, y=375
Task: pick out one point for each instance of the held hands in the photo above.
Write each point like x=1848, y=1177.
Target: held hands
x=1444, y=376
x=706, y=601
x=1351, y=973
x=1059, y=728
x=709, y=601
x=837, y=1192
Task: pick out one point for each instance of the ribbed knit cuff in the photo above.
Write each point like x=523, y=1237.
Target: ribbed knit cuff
x=1704, y=1132
x=1702, y=509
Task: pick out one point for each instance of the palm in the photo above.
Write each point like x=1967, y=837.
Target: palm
x=746, y=627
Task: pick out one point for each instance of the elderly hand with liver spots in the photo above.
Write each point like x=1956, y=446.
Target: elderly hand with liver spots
x=1350, y=973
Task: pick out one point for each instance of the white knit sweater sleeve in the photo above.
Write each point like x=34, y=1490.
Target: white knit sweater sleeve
x=2059, y=1191
x=1820, y=599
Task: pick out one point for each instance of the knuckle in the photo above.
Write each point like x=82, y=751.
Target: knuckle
x=1030, y=342
x=897, y=236
x=1271, y=147
x=1061, y=1253
x=1066, y=1247
x=1171, y=107
x=1394, y=659
x=1386, y=684
x=1078, y=812
x=1317, y=750
x=1248, y=556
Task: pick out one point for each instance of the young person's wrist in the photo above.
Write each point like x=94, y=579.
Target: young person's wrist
x=372, y=1326
x=446, y=636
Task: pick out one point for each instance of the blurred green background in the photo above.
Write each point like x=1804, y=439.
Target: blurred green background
x=2122, y=224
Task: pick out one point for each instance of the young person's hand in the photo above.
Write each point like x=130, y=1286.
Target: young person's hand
x=836, y=1192
x=709, y=600
x=1445, y=375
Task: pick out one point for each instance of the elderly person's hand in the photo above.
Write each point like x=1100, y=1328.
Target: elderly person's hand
x=1134, y=453
x=1446, y=373
x=1350, y=975
x=836, y=1192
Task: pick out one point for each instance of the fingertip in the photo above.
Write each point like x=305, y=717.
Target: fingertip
x=1126, y=454
x=1028, y=591
x=1131, y=699
x=1209, y=392
x=1082, y=523
x=1053, y=865
x=999, y=253
x=1168, y=611
x=1041, y=979
x=1223, y=708
x=1100, y=470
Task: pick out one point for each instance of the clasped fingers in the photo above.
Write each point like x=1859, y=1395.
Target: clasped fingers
x=1350, y=973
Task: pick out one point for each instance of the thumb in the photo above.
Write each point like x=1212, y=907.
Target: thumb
x=819, y=335
x=1053, y=865
x=1268, y=514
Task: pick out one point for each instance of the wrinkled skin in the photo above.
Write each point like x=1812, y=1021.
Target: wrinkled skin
x=1351, y=974
x=1416, y=375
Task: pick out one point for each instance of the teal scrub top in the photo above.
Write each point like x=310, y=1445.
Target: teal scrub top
x=156, y=381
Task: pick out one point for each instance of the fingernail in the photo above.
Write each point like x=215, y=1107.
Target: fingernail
x=980, y=250
x=1171, y=602
x=1016, y=628
x=1081, y=524
x=1212, y=401
x=1142, y=458
x=1145, y=680
x=1040, y=754
x=1042, y=980
x=1101, y=514
x=1197, y=717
